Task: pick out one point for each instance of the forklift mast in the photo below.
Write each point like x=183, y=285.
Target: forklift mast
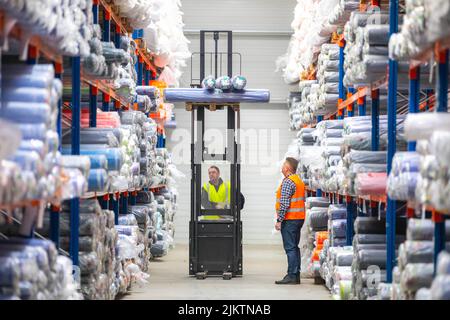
x=215, y=244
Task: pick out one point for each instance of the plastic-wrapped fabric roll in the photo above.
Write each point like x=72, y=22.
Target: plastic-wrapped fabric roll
x=356, y=168
x=33, y=131
x=439, y=143
x=98, y=180
x=345, y=287
x=423, y=294
x=372, y=225
x=318, y=219
x=338, y=242
x=370, y=246
x=422, y=125
x=356, y=156
x=85, y=243
x=224, y=83
x=113, y=155
x=127, y=220
x=403, y=186
x=374, y=238
x=149, y=91
x=337, y=211
x=312, y=202
x=440, y=288
x=27, y=94
x=371, y=183
x=140, y=212
x=96, y=137
x=416, y=276
x=338, y=228
x=239, y=82
x=10, y=273
x=88, y=225
x=344, y=258
x=83, y=163
x=89, y=263
x=209, y=83
x=98, y=161
x=443, y=263
x=24, y=112
x=421, y=229
x=201, y=95
x=367, y=258
x=405, y=162
x=415, y=252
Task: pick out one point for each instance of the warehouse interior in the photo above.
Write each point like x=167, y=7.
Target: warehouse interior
x=164, y=150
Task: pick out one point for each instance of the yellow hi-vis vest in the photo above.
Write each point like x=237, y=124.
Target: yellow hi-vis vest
x=221, y=195
x=296, y=210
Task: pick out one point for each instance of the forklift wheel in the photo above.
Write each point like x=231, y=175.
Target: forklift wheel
x=227, y=276
x=200, y=275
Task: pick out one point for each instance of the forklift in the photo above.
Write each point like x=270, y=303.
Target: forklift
x=215, y=235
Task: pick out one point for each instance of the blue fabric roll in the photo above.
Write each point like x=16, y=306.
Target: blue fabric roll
x=35, y=81
x=113, y=155
x=218, y=96
x=98, y=161
x=26, y=94
x=147, y=91
x=98, y=180
x=33, y=131
x=23, y=112
x=339, y=228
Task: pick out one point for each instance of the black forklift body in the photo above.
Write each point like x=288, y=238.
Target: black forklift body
x=215, y=245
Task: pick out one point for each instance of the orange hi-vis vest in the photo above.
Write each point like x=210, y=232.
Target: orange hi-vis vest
x=296, y=210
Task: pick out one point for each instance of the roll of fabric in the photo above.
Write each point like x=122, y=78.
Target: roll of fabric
x=415, y=252
x=416, y=276
x=26, y=112
x=440, y=289
x=371, y=183
x=338, y=228
x=312, y=202
x=367, y=258
x=200, y=95
x=98, y=180
x=318, y=219
x=369, y=225
x=375, y=238
x=113, y=155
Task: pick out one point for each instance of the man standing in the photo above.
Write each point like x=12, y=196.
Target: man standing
x=290, y=208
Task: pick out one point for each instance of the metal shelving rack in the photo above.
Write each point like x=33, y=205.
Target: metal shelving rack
x=147, y=72
x=417, y=103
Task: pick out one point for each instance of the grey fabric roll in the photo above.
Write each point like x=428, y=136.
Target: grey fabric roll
x=369, y=225
x=317, y=202
x=145, y=197
x=344, y=259
x=318, y=219
x=416, y=276
x=377, y=35
x=416, y=252
x=440, y=289
x=374, y=238
x=366, y=258
x=423, y=229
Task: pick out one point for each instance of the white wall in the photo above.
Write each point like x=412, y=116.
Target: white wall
x=261, y=34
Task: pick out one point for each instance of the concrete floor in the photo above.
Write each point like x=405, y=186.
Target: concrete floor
x=262, y=266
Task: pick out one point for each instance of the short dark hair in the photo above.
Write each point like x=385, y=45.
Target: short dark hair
x=214, y=167
x=293, y=163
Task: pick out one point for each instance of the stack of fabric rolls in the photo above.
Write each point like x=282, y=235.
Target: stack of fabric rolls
x=415, y=261
x=369, y=253
x=316, y=220
x=432, y=144
x=31, y=269
x=402, y=180
x=30, y=97
x=328, y=77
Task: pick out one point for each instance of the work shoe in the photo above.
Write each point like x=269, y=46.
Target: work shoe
x=288, y=280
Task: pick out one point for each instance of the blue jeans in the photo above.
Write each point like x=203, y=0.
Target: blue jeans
x=290, y=232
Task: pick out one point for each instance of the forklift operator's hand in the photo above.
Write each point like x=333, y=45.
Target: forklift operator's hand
x=278, y=226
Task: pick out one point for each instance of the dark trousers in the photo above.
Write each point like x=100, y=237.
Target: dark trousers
x=290, y=232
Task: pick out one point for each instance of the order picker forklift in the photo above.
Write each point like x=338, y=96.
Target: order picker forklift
x=215, y=235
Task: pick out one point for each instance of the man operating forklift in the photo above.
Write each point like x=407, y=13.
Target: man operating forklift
x=216, y=192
